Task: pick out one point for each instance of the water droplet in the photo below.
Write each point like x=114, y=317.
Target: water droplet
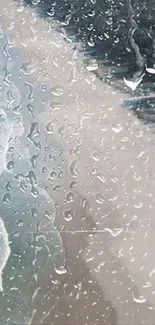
x=49, y=127
x=10, y=165
x=92, y=65
x=74, y=169
x=61, y=270
x=117, y=129
x=69, y=197
x=51, y=12
x=139, y=205
x=34, y=191
x=34, y=212
x=29, y=67
x=101, y=177
x=34, y=131
x=33, y=160
x=68, y=214
x=23, y=186
x=17, y=109
x=35, y=2
x=72, y=184
x=6, y=198
x=115, y=231
x=100, y=198
x=8, y=186
x=53, y=175
x=140, y=300
x=60, y=174
x=30, y=109
x=84, y=203
x=56, y=188
x=96, y=156
x=32, y=177
x=90, y=40
x=61, y=130
x=20, y=223
x=48, y=215
x=57, y=90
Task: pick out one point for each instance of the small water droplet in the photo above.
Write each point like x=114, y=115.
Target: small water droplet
x=101, y=177
x=57, y=90
x=90, y=40
x=34, y=191
x=20, y=223
x=60, y=174
x=53, y=175
x=32, y=177
x=117, y=129
x=140, y=300
x=34, y=131
x=61, y=130
x=6, y=198
x=100, y=198
x=30, y=109
x=48, y=215
x=69, y=197
x=23, y=186
x=10, y=165
x=33, y=160
x=35, y=2
x=115, y=231
x=61, y=270
x=92, y=65
x=74, y=169
x=84, y=203
x=72, y=184
x=56, y=188
x=49, y=127
x=8, y=186
x=68, y=214
x=139, y=205
x=51, y=12
x=96, y=156
x=34, y=212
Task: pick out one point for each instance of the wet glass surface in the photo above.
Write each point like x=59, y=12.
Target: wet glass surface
x=77, y=174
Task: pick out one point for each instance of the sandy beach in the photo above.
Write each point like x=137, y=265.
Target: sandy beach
x=96, y=172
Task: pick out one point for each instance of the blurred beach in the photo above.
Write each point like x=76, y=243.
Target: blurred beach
x=77, y=186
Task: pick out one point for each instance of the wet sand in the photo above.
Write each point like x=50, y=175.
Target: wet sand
x=102, y=190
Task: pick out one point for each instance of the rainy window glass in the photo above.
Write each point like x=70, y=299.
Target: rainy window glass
x=77, y=152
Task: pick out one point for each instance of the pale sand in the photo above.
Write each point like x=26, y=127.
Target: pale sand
x=115, y=157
